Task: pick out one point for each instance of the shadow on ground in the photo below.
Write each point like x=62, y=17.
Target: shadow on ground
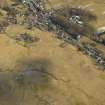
x=29, y=77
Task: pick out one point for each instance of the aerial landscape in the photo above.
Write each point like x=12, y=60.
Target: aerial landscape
x=52, y=52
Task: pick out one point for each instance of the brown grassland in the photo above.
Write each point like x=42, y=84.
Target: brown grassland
x=75, y=81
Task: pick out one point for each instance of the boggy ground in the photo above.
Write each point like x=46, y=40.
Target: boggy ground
x=65, y=75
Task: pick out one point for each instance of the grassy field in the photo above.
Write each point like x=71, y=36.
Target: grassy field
x=73, y=79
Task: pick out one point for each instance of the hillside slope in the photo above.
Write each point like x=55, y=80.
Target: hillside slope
x=72, y=77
